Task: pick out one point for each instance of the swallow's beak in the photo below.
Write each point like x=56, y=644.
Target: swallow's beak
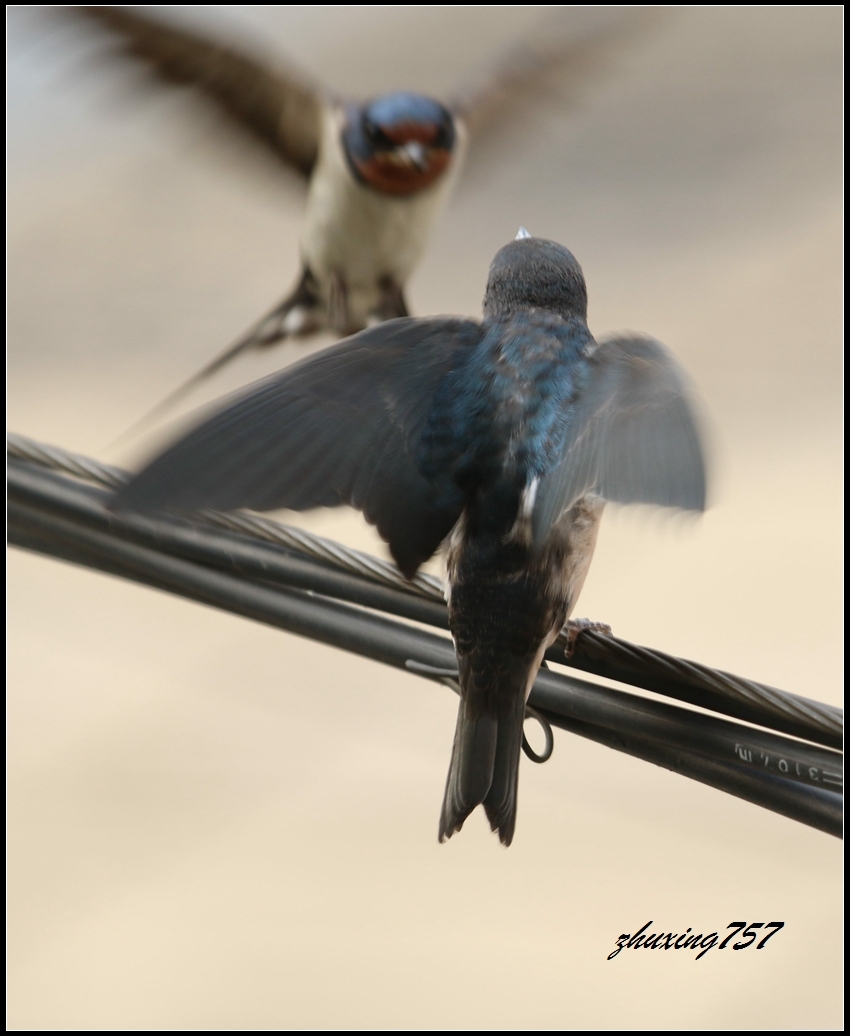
x=416, y=154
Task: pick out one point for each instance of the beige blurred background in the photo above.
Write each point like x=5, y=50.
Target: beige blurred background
x=215, y=825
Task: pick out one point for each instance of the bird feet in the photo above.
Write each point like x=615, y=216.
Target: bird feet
x=300, y=313
x=339, y=311
x=574, y=629
x=391, y=302
x=286, y=322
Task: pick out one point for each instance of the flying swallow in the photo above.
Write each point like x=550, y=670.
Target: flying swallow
x=504, y=438
x=379, y=171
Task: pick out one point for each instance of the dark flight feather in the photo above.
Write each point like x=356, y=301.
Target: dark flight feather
x=277, y=102
x=574, y=38
x=341, y=427
x=281, y=104
x=631, y=438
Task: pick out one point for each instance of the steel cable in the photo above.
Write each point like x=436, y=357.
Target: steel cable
x=54, y=515
x=606, y=656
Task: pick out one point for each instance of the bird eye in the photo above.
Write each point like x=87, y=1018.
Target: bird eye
x=373, y=132
x=445, y=136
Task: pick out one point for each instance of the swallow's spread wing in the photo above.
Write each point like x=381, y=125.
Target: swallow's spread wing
x=342, y=427
x=275, y=102
x=631, y=436
x=574, y=38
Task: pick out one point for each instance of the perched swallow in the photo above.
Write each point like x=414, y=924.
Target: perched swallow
x=504, y=437
x=379, y=172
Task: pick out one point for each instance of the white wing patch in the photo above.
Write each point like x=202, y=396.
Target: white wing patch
x=529, y=495
x=521, y=529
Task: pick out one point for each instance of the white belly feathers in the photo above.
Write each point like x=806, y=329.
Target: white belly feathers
x=359, y=234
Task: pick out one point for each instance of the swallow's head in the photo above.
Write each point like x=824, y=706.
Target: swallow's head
x=532, y=273
x=399, y=144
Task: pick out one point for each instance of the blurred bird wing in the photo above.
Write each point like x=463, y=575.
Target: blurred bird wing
x=574, y=37
x=343, y=426
x=631, y=436
x=276, y=102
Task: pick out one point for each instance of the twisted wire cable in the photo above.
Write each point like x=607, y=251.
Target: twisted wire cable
x=624, y=661
x=62, y=517
x=288, y=536
x=602, y=655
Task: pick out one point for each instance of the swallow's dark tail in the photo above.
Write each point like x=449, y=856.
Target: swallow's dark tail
x=269, y=330
x=484, y=768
